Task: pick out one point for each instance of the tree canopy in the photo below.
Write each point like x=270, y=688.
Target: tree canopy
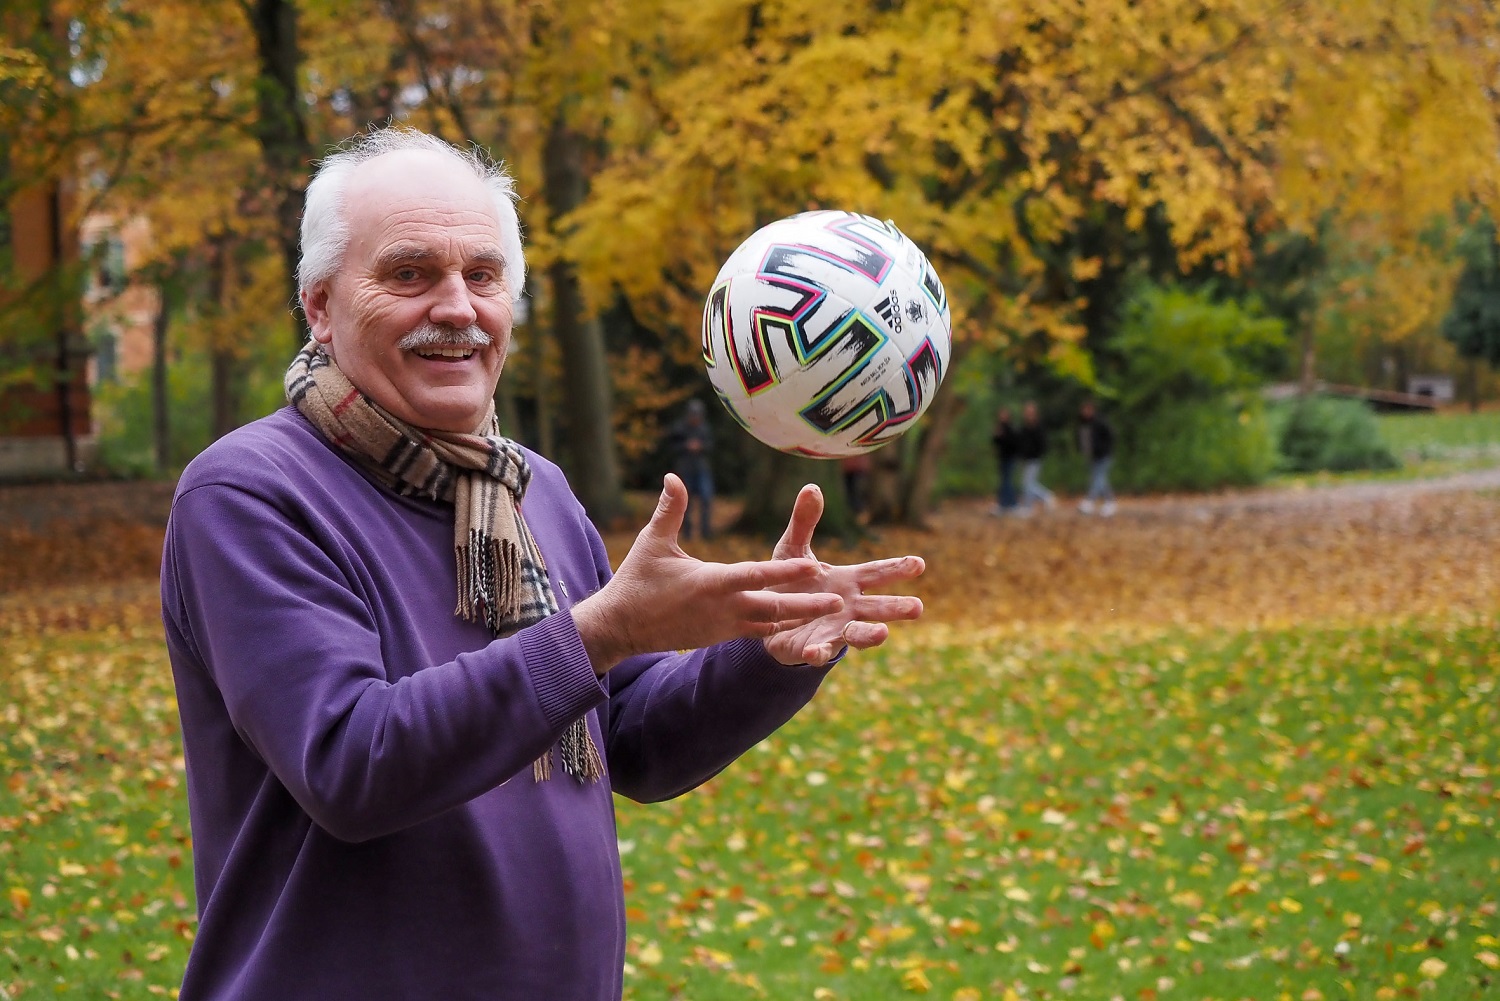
x=1044, y=153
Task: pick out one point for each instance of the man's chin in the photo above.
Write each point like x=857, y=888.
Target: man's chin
x=458, y=412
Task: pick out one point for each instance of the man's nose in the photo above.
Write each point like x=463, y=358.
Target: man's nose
x=451, y=303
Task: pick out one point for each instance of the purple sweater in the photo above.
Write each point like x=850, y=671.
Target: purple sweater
x=365, y=822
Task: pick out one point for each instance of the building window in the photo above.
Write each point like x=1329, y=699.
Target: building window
x=106, y=354
x=107, y=274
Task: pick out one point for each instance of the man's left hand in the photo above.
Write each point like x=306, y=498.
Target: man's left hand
x=861, y=623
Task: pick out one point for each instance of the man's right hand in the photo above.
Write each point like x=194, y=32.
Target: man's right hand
x=663, y=599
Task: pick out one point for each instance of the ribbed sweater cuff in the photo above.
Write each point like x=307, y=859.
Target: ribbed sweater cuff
x=750, y=659
x=564, y=678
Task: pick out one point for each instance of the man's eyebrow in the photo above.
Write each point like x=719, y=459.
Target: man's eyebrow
x=492, y=257
x=402, y=253
x=411, y=253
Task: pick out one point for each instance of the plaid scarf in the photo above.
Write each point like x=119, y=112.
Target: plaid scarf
x=502, y=578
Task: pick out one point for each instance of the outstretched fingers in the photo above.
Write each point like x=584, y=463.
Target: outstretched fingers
x=864, y=635
x=770, y=612
x=885, y=608
x=880, y=573
x=855, y=635
x=756, y=576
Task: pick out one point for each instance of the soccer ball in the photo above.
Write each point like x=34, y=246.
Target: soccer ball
x=826, y=334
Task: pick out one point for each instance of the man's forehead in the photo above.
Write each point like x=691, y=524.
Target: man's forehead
x=417, y=204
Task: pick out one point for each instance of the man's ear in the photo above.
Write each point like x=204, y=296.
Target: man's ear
x=315, y=307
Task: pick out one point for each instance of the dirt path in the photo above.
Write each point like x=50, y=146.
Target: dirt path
x=1313, y=498
x=36, y=507
x=85, y=554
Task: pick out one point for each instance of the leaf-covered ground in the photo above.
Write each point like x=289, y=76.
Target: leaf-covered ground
x=1207, y=749
x=1304, y=813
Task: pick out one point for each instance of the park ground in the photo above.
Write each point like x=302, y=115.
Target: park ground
x=1234, y=746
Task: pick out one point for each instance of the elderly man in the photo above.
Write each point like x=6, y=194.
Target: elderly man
x=408, y=681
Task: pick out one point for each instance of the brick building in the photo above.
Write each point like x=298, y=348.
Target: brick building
x=46, y=426
x=47, y=423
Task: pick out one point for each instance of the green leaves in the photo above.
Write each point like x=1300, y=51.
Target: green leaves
x=1179, y=345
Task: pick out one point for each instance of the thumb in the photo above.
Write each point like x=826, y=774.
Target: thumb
x=806, y=512
x=666, y=520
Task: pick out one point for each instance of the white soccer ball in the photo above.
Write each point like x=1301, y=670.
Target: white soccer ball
x=826, y=334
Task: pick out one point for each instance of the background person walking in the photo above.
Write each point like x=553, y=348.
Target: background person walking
x=1031, y=450
x=1007, y=449
x=692, y=444
x=1096, y=441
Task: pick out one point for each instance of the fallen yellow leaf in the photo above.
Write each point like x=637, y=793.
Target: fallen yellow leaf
x=1432, y=968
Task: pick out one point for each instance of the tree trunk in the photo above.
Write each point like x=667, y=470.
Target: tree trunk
x=161, y=428
x=541, y=390
x=63, y=312
x=887, y=492
x=936, y=424
x=904, y=473
x=595, y=471
x=507, y=410
x=224, y=385
x=772, y=485
x=281, y=130
x=1309, y=375
x=224, y=366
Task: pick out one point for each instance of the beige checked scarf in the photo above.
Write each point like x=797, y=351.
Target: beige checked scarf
x=502, y=578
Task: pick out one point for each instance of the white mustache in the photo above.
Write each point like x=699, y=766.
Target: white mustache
x=434, y=335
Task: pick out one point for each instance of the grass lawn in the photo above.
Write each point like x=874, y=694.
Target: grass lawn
x=1233, y=814
x=1224, y=755
x=94, y=842
x=1428, y=445
x=1451, y=433
x=1302, y=813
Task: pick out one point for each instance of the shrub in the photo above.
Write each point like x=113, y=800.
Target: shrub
x=1179, y=388
x=1187, y=416
x=1324, y=433
x=125, y=442
x=1197, y=445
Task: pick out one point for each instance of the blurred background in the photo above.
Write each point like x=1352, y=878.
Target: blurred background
x=1241, y=225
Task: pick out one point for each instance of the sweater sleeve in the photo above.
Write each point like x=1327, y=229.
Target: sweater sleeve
x=676, y=720
x=291, y=645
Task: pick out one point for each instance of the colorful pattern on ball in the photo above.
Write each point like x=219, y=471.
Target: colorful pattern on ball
x=826, y=334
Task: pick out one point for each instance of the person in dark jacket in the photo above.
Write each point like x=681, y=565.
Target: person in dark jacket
x=1031, y=449
x=1007, y=449
x=692, y=444
x=1096, y=442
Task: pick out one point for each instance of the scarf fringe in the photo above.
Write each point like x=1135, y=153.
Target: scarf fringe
x=489, y=576
x=580, y=758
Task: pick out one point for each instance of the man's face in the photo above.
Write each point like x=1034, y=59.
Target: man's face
x=418, y=315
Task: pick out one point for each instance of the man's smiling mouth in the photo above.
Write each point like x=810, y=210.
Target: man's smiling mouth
x=456, y=354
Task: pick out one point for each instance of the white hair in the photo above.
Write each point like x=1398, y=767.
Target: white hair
x=325, y=224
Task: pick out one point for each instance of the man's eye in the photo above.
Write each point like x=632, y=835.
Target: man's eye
x=407, y=274
x=482, y=276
